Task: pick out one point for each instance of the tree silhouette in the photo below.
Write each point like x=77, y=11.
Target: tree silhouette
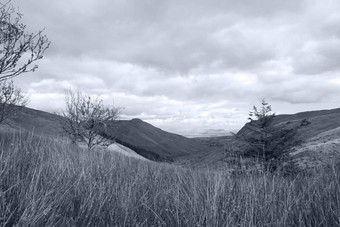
x=19, y=49
x=265, y=141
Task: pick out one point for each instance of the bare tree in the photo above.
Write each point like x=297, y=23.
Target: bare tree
x=19, y=50
x=86, y=120
x=12, y=100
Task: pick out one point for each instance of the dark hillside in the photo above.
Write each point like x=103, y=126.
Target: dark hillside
x=320, y=121
x=321, y=138
x=35, y=120
x=145, y=139
x=319, y=141
x=144, y=136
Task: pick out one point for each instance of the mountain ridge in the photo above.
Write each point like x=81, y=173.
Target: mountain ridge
x=320, y=137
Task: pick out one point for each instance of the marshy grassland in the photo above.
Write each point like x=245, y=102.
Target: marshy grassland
x=47, y=182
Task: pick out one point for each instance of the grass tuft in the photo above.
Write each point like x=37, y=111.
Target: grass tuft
x=45, y=182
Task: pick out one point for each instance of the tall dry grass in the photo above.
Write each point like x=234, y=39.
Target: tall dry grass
x=46, y=182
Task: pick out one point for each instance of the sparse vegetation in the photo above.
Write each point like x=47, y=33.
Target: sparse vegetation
x=268, y=143
x=19, y=49
x=12, y=100
x=47, y=182
x=86, y=119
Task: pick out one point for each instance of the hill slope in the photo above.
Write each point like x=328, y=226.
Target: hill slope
x=153, y=142
x=321, y=121
x=320, y=140
x=141, y=137
x=43, y=123
x=35, y=120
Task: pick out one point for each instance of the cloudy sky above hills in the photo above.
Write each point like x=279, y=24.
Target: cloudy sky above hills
x=188, y=65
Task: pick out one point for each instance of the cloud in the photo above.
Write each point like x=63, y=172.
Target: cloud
x=197, y=64
x=171, y=36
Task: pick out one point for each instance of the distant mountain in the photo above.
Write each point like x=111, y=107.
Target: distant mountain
x=154, y=143
x=206, y=133
x=320, y=138
x=141, y=137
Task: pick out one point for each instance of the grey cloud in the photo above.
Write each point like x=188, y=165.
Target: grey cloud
x=316, y=39
x=323, y=57
x=304, y=90
x=164, y=35
x=174, y=61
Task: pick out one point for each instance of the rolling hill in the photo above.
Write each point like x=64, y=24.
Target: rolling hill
x=154, y=143
x=47, y=124
x=137, y=135
x=39, y=122
x=320, y=139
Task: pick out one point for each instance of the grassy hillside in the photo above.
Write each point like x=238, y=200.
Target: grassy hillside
x=143, y=138
x=146, y=139
x=321, y=121
x=35, y=120
x=320, y=143
x=320, y=138
x=45, y=182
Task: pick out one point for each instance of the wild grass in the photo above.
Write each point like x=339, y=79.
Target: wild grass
x=45, y=182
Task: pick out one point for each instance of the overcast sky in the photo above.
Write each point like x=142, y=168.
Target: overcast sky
x=188, y=65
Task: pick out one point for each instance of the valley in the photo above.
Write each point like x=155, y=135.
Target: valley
x=151, y=176
x=319, y=145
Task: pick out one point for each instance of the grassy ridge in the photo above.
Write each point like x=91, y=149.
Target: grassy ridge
x=50, y=183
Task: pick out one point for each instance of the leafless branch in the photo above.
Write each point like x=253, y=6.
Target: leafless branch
x=12, y=100
x=86, y=119
x=19, y=50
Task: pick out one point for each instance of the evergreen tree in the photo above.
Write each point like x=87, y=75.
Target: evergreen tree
x=265, y=141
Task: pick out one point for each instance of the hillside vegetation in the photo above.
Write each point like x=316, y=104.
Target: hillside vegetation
x=319, y=140
x=154, y=143
x=142, y=137
x=47, y=182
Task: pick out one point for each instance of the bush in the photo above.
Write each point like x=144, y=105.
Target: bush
x=86, y=120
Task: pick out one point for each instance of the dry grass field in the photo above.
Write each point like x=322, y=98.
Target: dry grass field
x=47, y=182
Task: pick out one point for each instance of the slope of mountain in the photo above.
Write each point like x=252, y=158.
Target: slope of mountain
x=116, y=147
x=321, y=149
x=47, y=124
x=321, y=121
x=37, y=121
x=137, y=135
x=154, y=143
x=320, y=139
